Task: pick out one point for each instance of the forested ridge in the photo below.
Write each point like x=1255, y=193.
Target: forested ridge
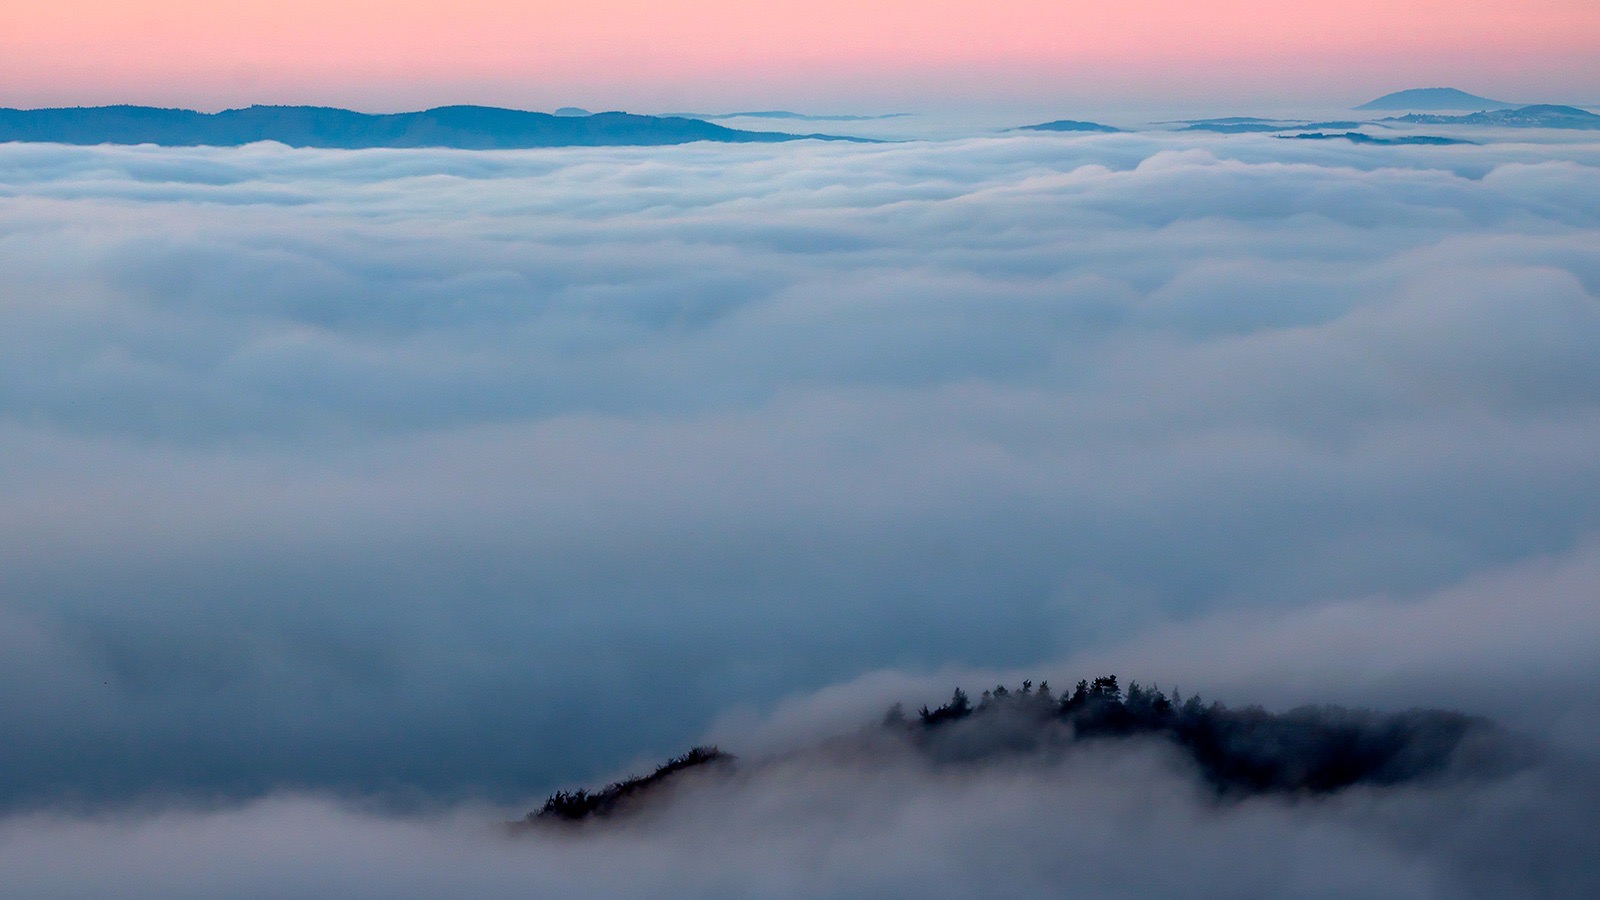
x=1315, y=749
x=1238, y=752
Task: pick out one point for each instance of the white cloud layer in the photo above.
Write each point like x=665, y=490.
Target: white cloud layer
x=442, y=475
x=1105, y=821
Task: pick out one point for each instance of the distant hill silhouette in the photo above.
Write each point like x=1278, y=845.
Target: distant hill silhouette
x=1224, y=120
x=1537, y=116
x=1247, y=125
x=1070, y=125
x=1434, y=98
x=1357, y=137
x=1235, y=127
x=786, y=114
x=464, y=127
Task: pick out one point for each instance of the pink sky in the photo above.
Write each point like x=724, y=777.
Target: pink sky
x=641, y=53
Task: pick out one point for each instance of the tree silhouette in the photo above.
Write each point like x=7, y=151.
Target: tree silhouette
x=575, y=806
x=1315, y=749
x=959, y=707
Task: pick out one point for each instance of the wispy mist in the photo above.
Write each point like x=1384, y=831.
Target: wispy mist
x=1104, y=821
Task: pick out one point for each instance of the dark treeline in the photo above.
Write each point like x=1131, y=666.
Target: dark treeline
x=1309, y=750
x=574, y=806
x=1314, y=749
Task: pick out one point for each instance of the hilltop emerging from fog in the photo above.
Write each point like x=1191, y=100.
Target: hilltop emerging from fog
x=1236, y=752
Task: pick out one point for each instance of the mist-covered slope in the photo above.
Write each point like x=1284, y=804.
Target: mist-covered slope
x=1310, y=750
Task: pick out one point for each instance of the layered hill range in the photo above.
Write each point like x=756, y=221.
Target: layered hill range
x=1419, y=106
x=462, y=127
x=1541, y=115
x=1433, y=106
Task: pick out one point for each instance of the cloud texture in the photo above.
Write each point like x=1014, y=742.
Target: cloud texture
x=1104, y=822
x=441, y=475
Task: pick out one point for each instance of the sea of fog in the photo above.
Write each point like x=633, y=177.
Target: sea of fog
x=352, y=501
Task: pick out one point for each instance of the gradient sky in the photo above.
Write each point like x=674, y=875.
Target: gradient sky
x=861, y=53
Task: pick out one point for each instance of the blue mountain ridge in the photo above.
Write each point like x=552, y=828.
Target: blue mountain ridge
x=462, y=127
x=1241, y=125
x=1069, y=125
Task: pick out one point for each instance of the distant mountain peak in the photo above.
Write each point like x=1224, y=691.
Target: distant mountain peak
x=1435, y=98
